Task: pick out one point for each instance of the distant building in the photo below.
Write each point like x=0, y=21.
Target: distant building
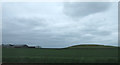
x=31, y=46
x=37, y=47
x=7, y=46
x=18, y=46
x=14, y=46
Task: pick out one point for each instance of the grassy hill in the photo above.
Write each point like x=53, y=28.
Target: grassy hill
x=91, y=46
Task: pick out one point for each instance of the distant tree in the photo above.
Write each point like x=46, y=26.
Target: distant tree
x=25, y=46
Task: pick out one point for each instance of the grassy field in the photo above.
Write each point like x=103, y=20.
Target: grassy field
x=68, y=55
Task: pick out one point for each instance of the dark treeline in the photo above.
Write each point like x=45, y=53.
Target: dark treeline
x=18, y=46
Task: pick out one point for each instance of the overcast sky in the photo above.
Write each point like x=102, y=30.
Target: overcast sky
x=59, y=25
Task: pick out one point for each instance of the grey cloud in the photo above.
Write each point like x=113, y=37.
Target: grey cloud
x=50, y=36
x=84, y=8
x=22, y=24
x=59, y=31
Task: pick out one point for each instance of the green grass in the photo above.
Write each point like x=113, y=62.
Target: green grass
x=67, y=55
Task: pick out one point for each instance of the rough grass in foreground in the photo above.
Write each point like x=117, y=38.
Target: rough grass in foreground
x=67, y=55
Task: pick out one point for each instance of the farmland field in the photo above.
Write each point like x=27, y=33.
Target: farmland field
x=69, y=55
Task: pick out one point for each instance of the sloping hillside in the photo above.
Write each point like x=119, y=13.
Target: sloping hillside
x=91, y=46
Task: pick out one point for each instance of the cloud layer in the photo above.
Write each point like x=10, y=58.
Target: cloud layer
x=60, y=24
x=81, y=9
